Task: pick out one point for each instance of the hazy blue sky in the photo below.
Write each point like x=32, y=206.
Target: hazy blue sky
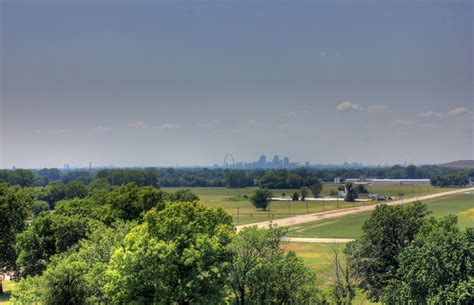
x=185, y=82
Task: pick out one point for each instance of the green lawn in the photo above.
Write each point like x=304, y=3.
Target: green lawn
x=461, y=205
x=8, y=286
x=319, y=257
x=237, y=203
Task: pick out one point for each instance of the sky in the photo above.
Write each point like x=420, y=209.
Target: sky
x=179, y=83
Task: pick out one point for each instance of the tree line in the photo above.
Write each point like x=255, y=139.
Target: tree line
x=140, y=245
x=204, y=177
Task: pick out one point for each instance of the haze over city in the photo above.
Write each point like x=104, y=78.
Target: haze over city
x=163, y=84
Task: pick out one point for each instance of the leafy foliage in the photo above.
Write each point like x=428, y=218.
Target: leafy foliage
x=178, y=255
x=261, y=198
x=262, y=273
x=437, y=268
x=316, y=188
x=386, y=233
x=15, y=205
x=76, y=276
x=351, y=193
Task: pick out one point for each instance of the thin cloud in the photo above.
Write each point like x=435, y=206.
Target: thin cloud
x=348, y=106
x=431, y=114
x=101, y=130
x=379, y=108
x=458, y=111
x=291, y=114
x=454, y=112
x=138, y=125
x=58, y=132
x=167, y=126
x=210, y=123
x=412, y=124
x=291, y=126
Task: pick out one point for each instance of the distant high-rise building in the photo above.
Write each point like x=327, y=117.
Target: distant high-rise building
x=306, y=164
x=67, y=166
x=286, y=161
x=262, y=161
x=276, y=160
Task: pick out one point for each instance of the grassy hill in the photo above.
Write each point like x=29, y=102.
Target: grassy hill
x=460, y=164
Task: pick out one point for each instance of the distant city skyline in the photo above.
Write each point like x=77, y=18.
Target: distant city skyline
x=264, y=161
x=167, y=83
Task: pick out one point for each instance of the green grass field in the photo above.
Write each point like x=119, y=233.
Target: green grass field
x=237, y=203
x=8, y=287
x=319, y=258
x=351, y=226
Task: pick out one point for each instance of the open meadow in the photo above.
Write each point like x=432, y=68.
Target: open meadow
x=319, y=258
x=351, y=226
x=8, y=287
x=237, y=203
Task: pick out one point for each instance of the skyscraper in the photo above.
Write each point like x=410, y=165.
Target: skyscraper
x=262, y=161
x=286, y=161
x=276, y=160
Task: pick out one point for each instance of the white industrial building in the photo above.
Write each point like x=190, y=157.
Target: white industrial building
x=391, y=181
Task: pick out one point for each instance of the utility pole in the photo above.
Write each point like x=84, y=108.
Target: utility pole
x=238, y=215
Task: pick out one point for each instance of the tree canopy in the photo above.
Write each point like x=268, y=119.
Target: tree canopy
x=437, y=268
x=261, y=198
x=385, y=234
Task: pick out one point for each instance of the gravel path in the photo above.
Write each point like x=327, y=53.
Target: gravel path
x=317, y=240
x=294, y=220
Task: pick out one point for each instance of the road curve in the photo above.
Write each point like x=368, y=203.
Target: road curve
x=298, y=219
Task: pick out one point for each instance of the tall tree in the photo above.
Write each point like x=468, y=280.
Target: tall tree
x=262, y=273
x=14, y=210
x=304, y=193
x=177, y=256
x=316, y=188
x=351, y=194
x=261, y=198
x=386, y=233
x=437, y=268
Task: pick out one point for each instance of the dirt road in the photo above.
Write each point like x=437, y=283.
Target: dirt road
x=317, y=240
x=294, y=220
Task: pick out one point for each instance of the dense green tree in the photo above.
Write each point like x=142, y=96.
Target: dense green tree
x=128, y=202
x=262, y=273
x=75, y=189
x=304, y=193
x=53, y=192
x=177, y=256
x=21, y=177
x=77, y=175
x=77, y=276
x=237, y=179
x=411, y=172
x=39, y=206
x=14, y=210
x=316, y=188
x=437, y=268
x=351, y=193
x=183, y=196
x=261, y=199
x=49, y=175
x=450, y=180
x=295, y=196
x=361, y=189
x=386, y=233
x=56, y=231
